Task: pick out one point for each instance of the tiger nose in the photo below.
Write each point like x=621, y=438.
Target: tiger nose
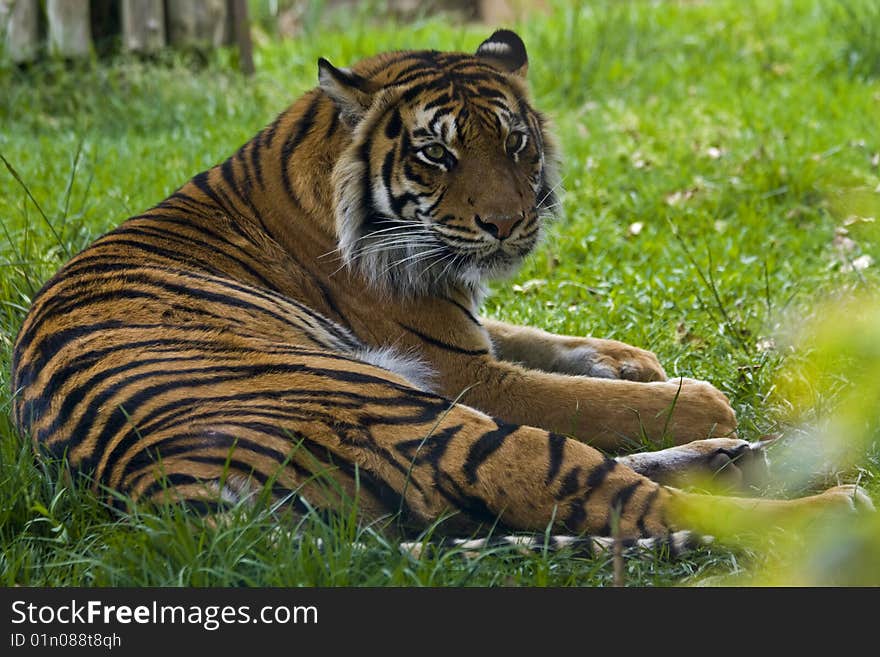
x=497, y=226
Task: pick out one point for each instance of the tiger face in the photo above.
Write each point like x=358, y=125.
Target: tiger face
x=450, y=173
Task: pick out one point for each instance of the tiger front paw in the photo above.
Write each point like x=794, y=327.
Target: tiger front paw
x=610, y=359
x=689, y=410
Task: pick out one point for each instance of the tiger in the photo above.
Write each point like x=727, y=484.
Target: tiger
x=307, y=311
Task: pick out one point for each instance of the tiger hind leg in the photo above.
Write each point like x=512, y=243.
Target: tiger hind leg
x=298, y=420
x=324, y=428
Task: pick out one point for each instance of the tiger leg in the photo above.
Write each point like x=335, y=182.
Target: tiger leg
x=480, y=476
x=614, y=415
x=321, y=427
x=343, y=429
x=548, y=352
x=452, y=463
x=728, y=462
x=529, y=479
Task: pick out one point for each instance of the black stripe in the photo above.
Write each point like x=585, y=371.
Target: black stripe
x=490, y=92
x=600, y=473
x=475, y=510
x=190, y=444
x=255, y=152
x=269, y=132
x=570, y=484
x=277, y=300
x=285, y=409
x=331, y=303
x=222, y=298
x=425, y=82
x=442, y=99
x=429, y=449
x=387, y=170
x=444, y=345
x=24, y=375
x=178, y=237
x=304, y=125
x=463, y=309
x=556, y=449
x=175, y=256
x=203, y=230
x=412, y=174
x=483, y=448
x=577, y=515
x=227, y=171
x=203, y=183
x=646, y=509
x=181, y=202
x=84, y=361
x=137, y=274
x=183, y=380
x=334, y=124
x=421, y=66
x=168, y=482
x=394, y=125
x=81, y=300
x=622, y=497
x=383, y=493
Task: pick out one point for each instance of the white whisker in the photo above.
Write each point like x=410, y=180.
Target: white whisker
x=448, y=265
x=396, y=239
x=324, y=255
x=550, y=192
x=401, y=226
x=437, y=261
x=376, y=250
x=415, y=256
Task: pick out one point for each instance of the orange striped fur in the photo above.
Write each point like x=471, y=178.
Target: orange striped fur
x=309, y=309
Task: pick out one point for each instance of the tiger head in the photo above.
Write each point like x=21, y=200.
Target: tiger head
x=449, y=174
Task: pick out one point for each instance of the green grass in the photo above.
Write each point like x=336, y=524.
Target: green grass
x=739, y=136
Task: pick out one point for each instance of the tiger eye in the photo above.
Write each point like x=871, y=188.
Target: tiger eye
x=515, y=141
x=435, y=152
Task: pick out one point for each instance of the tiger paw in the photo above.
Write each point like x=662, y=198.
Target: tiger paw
x=846, y=497
x=699, y=410
x=609, y=359
x=683, y=410
x=729, y=463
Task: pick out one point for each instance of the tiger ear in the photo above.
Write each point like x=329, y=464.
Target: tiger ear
x=505, y=51
x=352, y=93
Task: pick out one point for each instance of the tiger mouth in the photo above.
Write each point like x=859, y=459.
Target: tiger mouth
x=414, y=253
x=492, y=257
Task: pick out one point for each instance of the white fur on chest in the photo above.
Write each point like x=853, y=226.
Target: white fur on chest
x=410, y=367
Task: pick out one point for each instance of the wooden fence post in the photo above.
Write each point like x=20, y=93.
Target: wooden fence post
x=70, y=34
x=143, y=25
x=198, y=23
x=20, y=18
x=241, y=25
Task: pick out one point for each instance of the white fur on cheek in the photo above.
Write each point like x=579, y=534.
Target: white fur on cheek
x=349, y=201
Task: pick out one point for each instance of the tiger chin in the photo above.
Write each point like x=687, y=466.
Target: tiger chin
x=309, y=309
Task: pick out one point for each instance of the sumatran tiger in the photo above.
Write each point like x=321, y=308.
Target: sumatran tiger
x=308, y=309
